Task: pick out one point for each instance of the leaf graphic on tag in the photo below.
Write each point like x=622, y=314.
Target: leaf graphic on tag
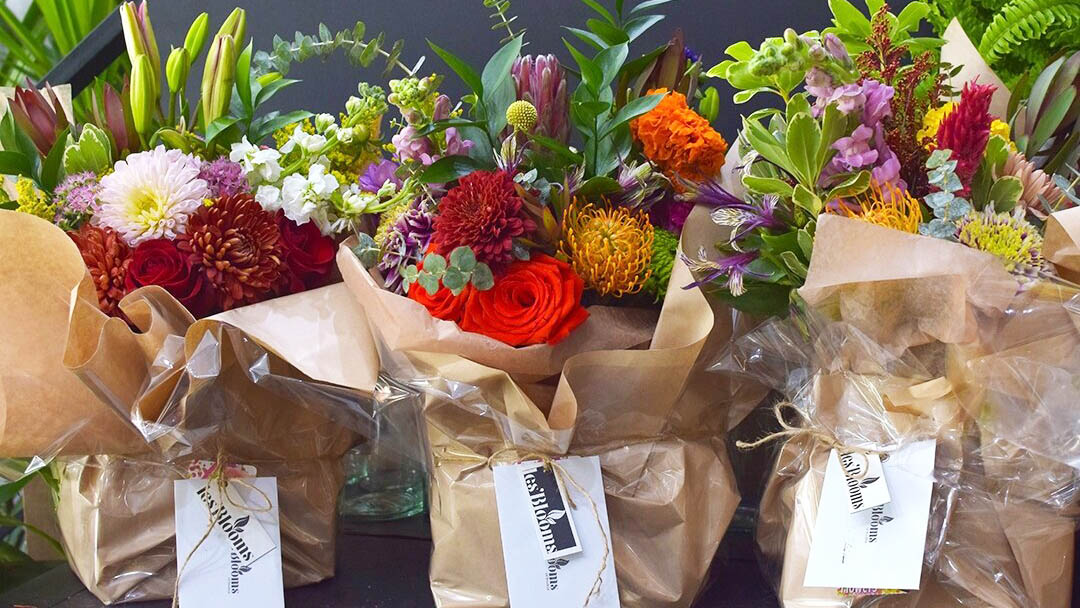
x=555, y=516
x=241, y=522
x=868, y=482
x=886, y=519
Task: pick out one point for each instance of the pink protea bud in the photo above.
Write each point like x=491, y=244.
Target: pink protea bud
x=542, y=82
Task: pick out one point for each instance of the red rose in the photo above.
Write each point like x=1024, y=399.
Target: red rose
x=309, y=255
x=443, y=304
x=536, y=301
x=159, y=262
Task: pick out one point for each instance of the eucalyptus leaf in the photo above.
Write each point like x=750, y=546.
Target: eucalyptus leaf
x=429, y=282
x=482, y=277
x=434, y=264
x=455, y=280
x=463, y=259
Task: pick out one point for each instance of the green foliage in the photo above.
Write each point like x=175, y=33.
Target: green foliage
x=454, y=274
x=853, y=27
x=1016, y=37
x=500, y=8
x=989, y=189
x=92, y=151
x=359, y=51
x=948, y=208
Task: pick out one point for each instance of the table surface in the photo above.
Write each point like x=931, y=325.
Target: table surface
x=385, y=566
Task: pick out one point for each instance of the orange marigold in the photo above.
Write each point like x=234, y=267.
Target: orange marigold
x=679, y=140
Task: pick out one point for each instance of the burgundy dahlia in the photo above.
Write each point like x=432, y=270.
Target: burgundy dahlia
x=238, y=245
x=966, y=130
x=484, y=213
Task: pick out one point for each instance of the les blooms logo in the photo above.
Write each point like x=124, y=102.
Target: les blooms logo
x=552, y=575
x=877, y=520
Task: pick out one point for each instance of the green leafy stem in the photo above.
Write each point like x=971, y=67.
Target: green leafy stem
x=456, y=274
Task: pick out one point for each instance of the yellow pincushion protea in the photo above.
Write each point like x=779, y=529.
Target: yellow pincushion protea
x=885, y=205
x=932, y=122
x=609, y=248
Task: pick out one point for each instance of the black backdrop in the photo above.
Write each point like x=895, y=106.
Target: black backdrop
x=463, y=27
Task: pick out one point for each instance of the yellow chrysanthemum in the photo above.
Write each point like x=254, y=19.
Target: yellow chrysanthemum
x=932, y=122
x=886, y=206
x=33, y=201
x=609, y=248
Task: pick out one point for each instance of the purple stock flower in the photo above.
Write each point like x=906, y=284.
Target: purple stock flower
x=456, y=145
x=410, y=146
x=377, y=174
x=405, y=244
x=854, y=151
x=837, y=49
x=542, y=82
x=876, y=106
x=224, y=177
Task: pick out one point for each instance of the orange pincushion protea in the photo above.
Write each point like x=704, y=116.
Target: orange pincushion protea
x=885, y=205
x=610, y=248
x=679, y=140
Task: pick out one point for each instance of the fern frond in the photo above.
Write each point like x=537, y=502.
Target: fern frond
x=1023, y=21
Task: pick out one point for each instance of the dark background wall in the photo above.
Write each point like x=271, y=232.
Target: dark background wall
x=463, y=26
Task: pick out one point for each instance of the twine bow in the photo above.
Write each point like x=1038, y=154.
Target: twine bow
x=514, y=456
x=219, y=477
x=821, y=437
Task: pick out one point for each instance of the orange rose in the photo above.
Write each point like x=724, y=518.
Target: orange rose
x=534, y=302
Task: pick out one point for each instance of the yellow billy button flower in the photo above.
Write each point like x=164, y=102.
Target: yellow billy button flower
x=522, y=116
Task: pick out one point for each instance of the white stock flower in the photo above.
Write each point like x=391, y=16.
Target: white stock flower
x=308, y=142
x=269, y=197
x=260, y=164
x=306, y=198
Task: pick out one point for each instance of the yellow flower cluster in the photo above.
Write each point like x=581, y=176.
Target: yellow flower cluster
x=33, y=201
x=932, y=122
x=347, y=161
x=886, y=206
x=609, y=248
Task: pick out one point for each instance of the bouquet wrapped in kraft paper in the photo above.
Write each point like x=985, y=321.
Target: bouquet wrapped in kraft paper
x=919, y=339
x=127, y=407
x=626, y=386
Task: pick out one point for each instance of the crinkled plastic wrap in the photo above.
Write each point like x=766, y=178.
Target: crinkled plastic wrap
x=914, y=339
x=626, y=388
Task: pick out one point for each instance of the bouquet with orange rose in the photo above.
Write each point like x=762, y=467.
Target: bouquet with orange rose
x=534, y=292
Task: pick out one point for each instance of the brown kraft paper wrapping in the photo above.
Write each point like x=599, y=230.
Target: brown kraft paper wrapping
x=668, y=481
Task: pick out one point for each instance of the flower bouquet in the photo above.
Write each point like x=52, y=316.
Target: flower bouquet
x=910, y=246
x=532, y=289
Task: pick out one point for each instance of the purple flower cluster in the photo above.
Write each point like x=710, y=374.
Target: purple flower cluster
x=77, y=200
x=541, y=81
x=224, y=177
x=866, y=147
x=377, y=174
x=405, y=245
x=411, y=146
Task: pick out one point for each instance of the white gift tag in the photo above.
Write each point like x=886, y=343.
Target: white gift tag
x=239, y=562
x=863, y=478
x=534, y=579
x=881, y=547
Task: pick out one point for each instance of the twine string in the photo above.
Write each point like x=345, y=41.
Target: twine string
x=219, y=477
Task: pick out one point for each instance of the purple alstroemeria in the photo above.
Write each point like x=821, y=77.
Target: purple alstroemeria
x=733, y=269
x=746, y=218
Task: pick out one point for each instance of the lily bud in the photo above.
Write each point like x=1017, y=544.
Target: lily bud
x=235, y=25
x=196, y=36
x=139, y=38
x=143, y=97
x=218, y=78
x=177, y=68
x=709, y=107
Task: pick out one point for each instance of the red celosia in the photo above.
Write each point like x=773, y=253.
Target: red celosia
x=966, y=130
x=107, y=257
x=484, y=213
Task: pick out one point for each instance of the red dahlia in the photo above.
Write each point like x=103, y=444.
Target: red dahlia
x=237, y=245
x=107, y=258
x=966, y=130
x=484, y=213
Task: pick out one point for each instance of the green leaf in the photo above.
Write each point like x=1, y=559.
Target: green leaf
x=761, y=300
x=14, y=163
x=11, y=488
x=482, y=278
x=560, y=149
x=834, y=125
x=767, y=185
x=498, y=86
x=10, y=555
x=591, y=74
x=647, y=4
x=13, y=522
x=442, y=125
x=455, y=280
x=637, y=107
x=268, y=91
x=600, y=10
x=464, y=71
x=219, y=126
x=429, y=282
x=9, y=206
x=598, y=186
x=803, y=140
x=807, y=200
x=806, y=243
x=267, y=125
x=909, y=18
x=607, y=32
x=610, y=61
x=747, y=95
x=1050, y=120
x=1005, y=193
x=852, y=185
x=850, y=18
x=798, y=104
x=766, y=144
x=54, y=162
x=448, y=169
x=588, y=37
x=638, y=26
x=463, y=259
x=794, y=265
